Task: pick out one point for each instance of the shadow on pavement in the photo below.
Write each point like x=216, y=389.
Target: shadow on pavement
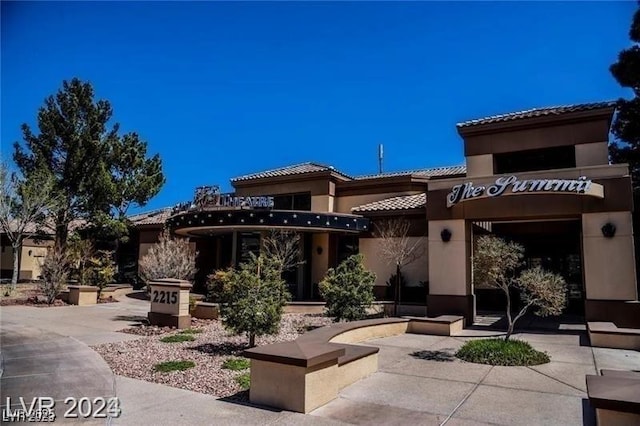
x=441, y=356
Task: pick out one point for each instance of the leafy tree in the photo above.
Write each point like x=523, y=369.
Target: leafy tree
x=348, y=289
x=626, y=126
x=102, y=269
x=94, y=170
x=496, y=263
x=253, y=298
x=168, y=258
x=24, y=208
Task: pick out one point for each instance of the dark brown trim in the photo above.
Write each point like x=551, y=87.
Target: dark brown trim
x=624, y=314
x=167, y=320
x=439, y=304
x=617, y=191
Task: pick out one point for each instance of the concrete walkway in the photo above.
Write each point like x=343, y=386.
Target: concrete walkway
x=419, y=381
x=45, y=352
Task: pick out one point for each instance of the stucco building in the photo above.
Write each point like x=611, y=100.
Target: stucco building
x=540, y=177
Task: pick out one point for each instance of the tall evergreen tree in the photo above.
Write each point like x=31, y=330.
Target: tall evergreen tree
x=626, y=126
x=97, y=173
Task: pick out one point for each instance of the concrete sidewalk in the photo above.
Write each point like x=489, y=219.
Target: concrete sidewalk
x=45, y=353
x=419, y=381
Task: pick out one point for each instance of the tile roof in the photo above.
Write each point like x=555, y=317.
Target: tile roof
x=154, y=217
x=296, y=169
x=429, y=173
x=403, y=202
x=537, y=112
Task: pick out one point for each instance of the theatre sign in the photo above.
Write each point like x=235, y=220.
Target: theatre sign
x=511, y=185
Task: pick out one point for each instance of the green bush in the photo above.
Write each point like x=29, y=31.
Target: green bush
x=177, y=338
x=236, y=364
x=348, y=289
x=165, y=367
x=244, y=380
x=501, y=352
x=191, y=331
x=253, y=298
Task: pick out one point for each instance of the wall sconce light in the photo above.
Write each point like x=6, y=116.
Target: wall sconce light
x=319, y=250
x=445, y=235
x=608, y=230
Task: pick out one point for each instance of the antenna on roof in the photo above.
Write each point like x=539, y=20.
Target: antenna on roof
x=380, y=158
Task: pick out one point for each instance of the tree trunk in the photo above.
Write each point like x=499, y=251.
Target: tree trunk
x=62, y=232
x=396, y=295
x=509, y=319
x=16, y=264
x=252, y=340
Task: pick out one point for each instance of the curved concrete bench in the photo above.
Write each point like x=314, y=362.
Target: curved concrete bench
x=308, y=372
x=615, y=396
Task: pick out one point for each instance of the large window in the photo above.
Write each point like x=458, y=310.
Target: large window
x=248, y=242
x=347, y=245
x=301, y=201
x=561, y=157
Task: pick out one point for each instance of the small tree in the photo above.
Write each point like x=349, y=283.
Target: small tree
x=55, y=271
x=24, y=208
x=169, y=258
x=397, y=249
x=80, y=252
x=496, y=263
x=253, y=298
x=102, y=269
x=283, y=248
x=348, y=289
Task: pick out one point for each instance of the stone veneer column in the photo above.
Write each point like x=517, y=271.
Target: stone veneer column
x=450, y=290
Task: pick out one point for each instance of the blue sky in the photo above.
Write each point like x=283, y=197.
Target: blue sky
x=225, y=89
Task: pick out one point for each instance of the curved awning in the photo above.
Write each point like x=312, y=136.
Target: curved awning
x=209, y=222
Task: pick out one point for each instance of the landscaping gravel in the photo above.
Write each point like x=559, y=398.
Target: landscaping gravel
x=137, y=358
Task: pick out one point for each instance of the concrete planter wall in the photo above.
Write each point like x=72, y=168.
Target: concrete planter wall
x=206, y=310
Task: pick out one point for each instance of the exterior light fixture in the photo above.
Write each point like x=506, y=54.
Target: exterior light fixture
x=319, y=250
x=608, y=230
x=445, y=235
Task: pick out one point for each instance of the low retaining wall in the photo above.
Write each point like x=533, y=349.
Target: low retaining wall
x=308, y=372
x=609, y=335
x=206, y=310
x=83, y=295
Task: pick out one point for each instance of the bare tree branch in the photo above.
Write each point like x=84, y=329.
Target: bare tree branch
x=396, y=246
x=283, y=247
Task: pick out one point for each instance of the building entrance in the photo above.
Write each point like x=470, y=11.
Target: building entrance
x=553, y=245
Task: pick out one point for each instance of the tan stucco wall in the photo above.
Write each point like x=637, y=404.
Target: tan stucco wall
x=413, y=273
x=345, y=204
x=322, y=203
x=450, y=270
x=319, y=262
x=479, y=165
x=31, y=257
x=592, y=154
x=31, y=261
x=609, y=263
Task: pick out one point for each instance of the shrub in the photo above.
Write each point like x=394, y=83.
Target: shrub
x=177, y=338
x=501, y=352
x=102, y=269
x=244, y=380
x=253, y=298
x=348, y=289
x=54, y=272
x=236, y=364
x=215, y=285
x=191, y=331
x=165, y=367
x=169, y=258
x=496, y=263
